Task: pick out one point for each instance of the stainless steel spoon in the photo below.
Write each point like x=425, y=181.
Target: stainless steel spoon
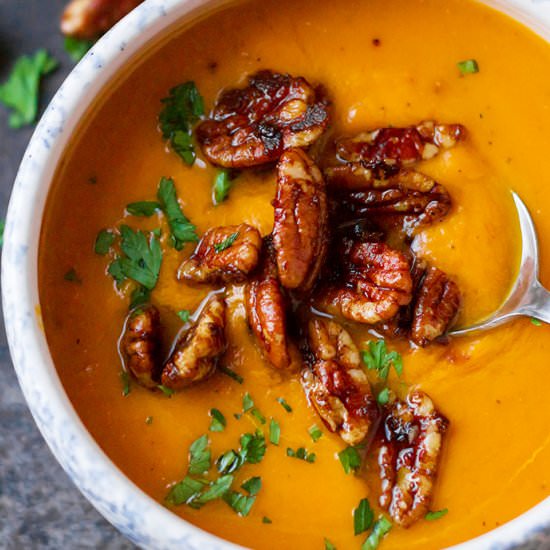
x=527, y=297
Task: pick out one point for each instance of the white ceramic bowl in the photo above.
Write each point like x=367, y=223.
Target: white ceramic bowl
x=139, y=517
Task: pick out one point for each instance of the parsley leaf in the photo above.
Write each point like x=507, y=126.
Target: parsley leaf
x=182, y=108
x=378, y=358
x=253, y=447
x=105, y=238
x=226, y=243
x=20, y=91
x=169, y=392
x=363, y=516
x=536, y=322
x=125, y=379
x=229, y=462
x=77, y=48
x=140, y=296
x=432, y=516
x=185, y=491
x=302, y=454
x=183, y=231
x=72, y=276
x=142, y=208
x=231, y=373
x=222, y=185
x=116, y=271
x=248, y=403
x=329, y=545
x=284, y=404
x=252, y=486
x=469, y=66
x=218, y=422
x=217, y=489
x=315, y=433
x=383, y=397
x=184, y=315
x=199, y=456
x=350, y=459
x=266, y=520
x=274, y=432
x=239, y=502
x=381, y=528
x=142, y=259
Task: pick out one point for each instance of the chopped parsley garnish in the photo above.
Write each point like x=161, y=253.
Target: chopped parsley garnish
x=274, y=432
x=169, y=392
x=72, y=276
x=302, y=454
x=363, y=516
x=248, y=403
x=199, y=456
x=182, y=108
x=350, y=459
x=266, y=520
x=2, y=227
x=20, y=91
x=381, y=528
x=329, y=545
x=252, y=450
x=140, y=296
x=142, y=258
x=222, y=185
x=103, y=242
x=378, y=358
x=469, y=66
x=184, y=491
x=258, y=415
x=231, y=373
x=183, y=231
x=77, y=48
x=432, y=516
x=149, y=420
x=315, y=433
x=125, y=379
x=226, y=243
x=218, y=422
x=536, y=322
x=142, y=208
x=252, y=486
x=116, y=272
x=229, y=462
x=239, y=502
x=184, y=315
x=284, y=404
x=383, y=397
x=217, y=489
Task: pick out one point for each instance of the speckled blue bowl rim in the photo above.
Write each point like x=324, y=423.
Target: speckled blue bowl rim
x=140, y=518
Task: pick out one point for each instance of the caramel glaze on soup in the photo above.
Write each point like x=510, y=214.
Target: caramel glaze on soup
x=383, y=63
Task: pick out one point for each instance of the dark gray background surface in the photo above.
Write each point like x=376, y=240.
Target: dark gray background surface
x=39, y=505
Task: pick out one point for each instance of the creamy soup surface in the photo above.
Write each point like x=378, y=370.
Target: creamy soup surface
x=382, y=63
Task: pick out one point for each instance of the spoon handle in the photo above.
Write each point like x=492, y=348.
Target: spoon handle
x=538, y=305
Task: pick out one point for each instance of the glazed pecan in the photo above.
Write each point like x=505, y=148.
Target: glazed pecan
x=266, y=309
x=436, y=307
x=196, y=353
x=87, y=19
x=140, y=345
x=375, y=283
x=409, y=455
x=254, y=125
x=399, y=146
x=224, y=254
x=300, y=228
x=408, y=198
x=336, y=385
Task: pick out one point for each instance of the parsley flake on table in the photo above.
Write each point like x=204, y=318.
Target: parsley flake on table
x=378, y=358
x=76, y=47
x=363, y=516
x=182, y=108
x=350, y=459
x=222, y=185
x=226, y=243
x=432, y=516
x=103, y=242
x=380, y=529
x=20, y=91
x=199, y=456
x=274, y=432
x=142, y=208
x=218, y=422
x=182, y=230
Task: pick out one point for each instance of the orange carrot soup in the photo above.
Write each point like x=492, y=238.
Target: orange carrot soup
x=255, y=248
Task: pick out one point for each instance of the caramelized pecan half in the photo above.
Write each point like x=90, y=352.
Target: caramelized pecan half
x=409, y=455
x=300, y=228
x=87, y=19
x=375, y=283
x=436, y=307
x=400, y=146
x=336, y=386
x=266, y=309
x=254, y=125
x=197, y=352
x=408, y=198
x=224, y=254
x=140, y=345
